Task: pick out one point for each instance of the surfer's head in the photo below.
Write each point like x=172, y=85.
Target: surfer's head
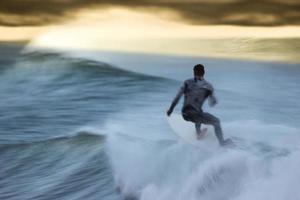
x=199, y=70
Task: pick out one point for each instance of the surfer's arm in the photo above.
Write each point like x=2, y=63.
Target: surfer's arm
x=212, y=100
x=176, y=99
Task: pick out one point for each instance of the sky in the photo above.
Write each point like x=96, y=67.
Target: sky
x=184, y=27
x=233, y=12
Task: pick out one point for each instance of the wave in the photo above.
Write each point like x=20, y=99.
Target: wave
x=173, y=169
x=280, y=183
x=67, y=167
x=234, y=176
x=82, y=136
x=71, y=91
x=49, y=94
x=83, y=60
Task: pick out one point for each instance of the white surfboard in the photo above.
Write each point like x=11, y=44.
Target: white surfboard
x=186, y=130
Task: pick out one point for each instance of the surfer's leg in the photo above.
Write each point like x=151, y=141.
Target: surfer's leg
x=198, y=127
x=190, y=114
x=200, y=132
x=215, y=122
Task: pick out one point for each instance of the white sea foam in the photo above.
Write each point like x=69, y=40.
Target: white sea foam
x=177, y=170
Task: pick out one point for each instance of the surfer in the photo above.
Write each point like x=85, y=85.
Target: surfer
x=196, y=90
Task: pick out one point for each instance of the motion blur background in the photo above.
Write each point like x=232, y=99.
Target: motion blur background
x=262, y=29
x=85, y=84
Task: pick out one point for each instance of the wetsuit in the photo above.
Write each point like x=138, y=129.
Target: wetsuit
x=196, y=91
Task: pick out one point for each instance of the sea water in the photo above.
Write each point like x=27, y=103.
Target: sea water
x=92, y=125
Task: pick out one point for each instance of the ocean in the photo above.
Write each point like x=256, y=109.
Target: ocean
x=92, y=125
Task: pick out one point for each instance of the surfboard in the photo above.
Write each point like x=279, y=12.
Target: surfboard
x=185, y=129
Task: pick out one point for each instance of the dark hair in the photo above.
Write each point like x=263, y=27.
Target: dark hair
x=199, y=70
